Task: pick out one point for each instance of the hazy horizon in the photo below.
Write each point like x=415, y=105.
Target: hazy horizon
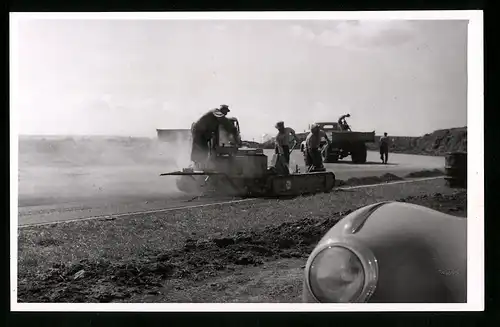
x=130, y=77
x=155, y=136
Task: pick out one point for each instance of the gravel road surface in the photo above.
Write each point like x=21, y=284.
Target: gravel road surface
x=50, y=194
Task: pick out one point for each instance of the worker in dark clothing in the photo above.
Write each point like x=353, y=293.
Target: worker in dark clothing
x=343, y=124
x=313, y=154
x=282, y=141
x=205, y=128
x=384, y=148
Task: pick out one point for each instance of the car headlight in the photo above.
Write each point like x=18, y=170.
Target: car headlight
x=338, y=274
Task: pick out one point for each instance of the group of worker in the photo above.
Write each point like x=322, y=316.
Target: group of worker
x=312, y=153
x=208, y=125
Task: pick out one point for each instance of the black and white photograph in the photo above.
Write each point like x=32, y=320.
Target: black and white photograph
x=263, y=161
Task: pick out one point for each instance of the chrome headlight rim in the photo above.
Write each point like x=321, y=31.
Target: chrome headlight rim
x=363, y=254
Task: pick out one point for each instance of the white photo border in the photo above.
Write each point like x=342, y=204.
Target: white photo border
x=475, y=194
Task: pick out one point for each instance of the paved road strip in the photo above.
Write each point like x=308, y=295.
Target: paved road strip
x=216, y=203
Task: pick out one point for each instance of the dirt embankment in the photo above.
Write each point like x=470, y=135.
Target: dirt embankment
x=386, y=178
x=437, y=143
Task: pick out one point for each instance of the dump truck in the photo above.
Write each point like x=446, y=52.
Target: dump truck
x=343, y=143
x=245, y=172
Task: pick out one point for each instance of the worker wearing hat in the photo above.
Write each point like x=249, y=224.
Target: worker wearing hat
x=282, y=140
x=312, y=154
x=222, y=111
x=205, y=127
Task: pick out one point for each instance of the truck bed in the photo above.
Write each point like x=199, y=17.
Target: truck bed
x=348, y=136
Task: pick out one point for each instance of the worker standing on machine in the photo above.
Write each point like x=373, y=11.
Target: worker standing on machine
x=313, y=140
x=205, y=127
x=282, y=141
x=343, y=124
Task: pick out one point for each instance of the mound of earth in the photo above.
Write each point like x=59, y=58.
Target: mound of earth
x=454, y=204
x=425, y=173
x=388, y=177
x=437, y=143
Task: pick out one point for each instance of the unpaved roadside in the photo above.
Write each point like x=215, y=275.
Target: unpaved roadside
x=129, y=259
x=277, y=281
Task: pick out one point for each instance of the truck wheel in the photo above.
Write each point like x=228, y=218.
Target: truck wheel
x=331, y=158
x=359, y=153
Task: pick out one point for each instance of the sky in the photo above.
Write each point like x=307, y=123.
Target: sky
x=129, y=77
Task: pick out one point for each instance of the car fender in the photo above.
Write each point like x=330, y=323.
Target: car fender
x=421, y=254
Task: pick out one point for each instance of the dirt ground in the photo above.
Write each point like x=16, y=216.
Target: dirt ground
x=259, y=261
x=275, y=281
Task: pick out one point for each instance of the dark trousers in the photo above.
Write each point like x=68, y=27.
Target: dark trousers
x=314, y=158
x=200, y=148
x=384, y=153
x=286, y=153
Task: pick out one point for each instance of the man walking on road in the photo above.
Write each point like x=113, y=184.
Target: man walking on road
x=282, y=142
x=384, y=148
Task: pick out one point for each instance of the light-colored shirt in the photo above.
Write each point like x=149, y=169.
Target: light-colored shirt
x=313, y=141
x=283, y=139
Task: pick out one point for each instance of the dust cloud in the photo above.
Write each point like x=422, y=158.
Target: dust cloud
x=74, y=168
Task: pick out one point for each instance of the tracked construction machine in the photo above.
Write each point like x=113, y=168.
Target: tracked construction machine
x=235, y=171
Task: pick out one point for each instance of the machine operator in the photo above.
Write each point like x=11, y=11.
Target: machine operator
x=206, y=127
